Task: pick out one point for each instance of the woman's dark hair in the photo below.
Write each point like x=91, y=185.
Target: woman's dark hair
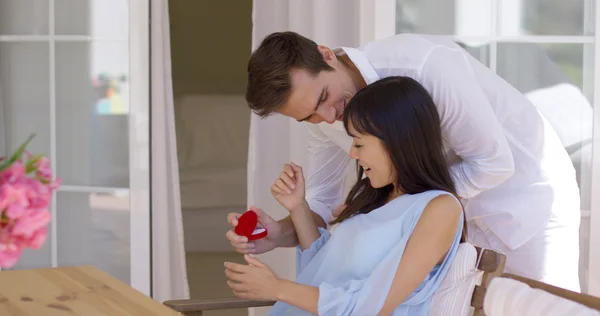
x=402, y=114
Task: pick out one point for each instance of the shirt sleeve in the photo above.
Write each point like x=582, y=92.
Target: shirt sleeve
x=304, y=257
x=468, y=122
x=326, y=174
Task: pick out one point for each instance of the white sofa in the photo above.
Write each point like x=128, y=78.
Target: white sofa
x=212, y=139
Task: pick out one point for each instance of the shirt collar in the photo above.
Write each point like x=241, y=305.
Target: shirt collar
x=361, y=62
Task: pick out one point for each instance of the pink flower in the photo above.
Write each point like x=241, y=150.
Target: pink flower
x=26, y=190
x=13, y=199
x=38, y=194
x=12, y=173
x=44, y=169
x=38, y=238
x=9, y=254
x=29, y=224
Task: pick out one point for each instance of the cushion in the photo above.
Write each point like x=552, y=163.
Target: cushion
x=212, y=147
x=508, y=297
x=456, y=290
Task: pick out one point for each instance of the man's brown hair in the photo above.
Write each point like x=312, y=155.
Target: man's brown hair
x=269, y=83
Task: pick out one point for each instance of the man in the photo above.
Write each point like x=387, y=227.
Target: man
x=516, y=181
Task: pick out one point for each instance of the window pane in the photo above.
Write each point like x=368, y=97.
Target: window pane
x=92, y=97
x=552, y=77
x=103, y=18
x=93, y=228
x=448, y=17
x=546, y=17
x=25, y=95
x=480, y=51
x=24, y=17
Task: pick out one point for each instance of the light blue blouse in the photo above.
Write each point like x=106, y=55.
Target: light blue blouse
x=354, y=267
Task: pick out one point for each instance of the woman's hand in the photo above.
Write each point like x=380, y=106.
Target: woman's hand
x=288, y=188
x=254, y=281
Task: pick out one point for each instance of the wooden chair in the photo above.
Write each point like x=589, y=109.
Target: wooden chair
x=491, y=263
x=583, y=299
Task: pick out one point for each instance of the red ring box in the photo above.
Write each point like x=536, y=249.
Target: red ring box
x=247, y=226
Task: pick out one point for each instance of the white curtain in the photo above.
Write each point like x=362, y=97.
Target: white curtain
x=168, y=255
x=277, y=139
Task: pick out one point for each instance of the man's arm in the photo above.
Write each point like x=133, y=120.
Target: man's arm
x=469, y=123
x=289, y=238
x=325, y=176
x=326, y=173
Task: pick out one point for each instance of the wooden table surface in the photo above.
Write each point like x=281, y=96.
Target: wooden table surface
x=79, y=290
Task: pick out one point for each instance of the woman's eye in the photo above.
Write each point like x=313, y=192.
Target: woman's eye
x=357, y=146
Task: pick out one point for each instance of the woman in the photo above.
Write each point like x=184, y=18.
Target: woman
x=399, y=231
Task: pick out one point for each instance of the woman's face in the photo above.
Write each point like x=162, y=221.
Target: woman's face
x=373, y=157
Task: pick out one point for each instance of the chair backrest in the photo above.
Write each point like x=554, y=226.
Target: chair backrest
x=515, y=295
x=465, y=284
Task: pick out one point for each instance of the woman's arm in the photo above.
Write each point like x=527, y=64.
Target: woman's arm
x=256, y=281
x=305, y=225
x=302, y=296
x=289, y=191
x=427, y=246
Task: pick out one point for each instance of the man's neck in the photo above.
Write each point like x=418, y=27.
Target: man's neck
x=355, y=75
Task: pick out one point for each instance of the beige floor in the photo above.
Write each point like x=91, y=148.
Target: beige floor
x=207, y=279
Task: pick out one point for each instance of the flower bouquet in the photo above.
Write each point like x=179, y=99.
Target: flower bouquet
x=26, y=190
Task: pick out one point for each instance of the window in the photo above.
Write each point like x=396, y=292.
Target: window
x=76, y=74
x=546, y=50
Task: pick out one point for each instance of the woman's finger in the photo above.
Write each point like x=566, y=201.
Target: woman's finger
x=236, y=267
x=287, y=168
x=238, y=287
x=234, y=276
x=282, y=186
x=287, y=180
x=254, y=261
x=276, y=190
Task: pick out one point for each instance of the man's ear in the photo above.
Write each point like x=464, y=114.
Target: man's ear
x=328, y=55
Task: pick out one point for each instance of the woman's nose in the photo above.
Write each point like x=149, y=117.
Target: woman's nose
x=353, y=152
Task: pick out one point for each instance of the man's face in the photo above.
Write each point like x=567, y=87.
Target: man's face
x=322, y=97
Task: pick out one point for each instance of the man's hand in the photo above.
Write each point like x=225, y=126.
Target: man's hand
x=241, y=243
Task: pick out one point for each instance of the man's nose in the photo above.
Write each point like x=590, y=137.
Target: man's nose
x=328, y=115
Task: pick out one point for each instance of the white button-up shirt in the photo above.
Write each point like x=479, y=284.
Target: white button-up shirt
x=507, y=163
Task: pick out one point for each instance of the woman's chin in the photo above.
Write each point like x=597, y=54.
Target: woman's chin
x=378, y=184
x=374, y=184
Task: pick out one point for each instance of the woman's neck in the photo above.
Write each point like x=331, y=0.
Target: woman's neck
x=394, y=194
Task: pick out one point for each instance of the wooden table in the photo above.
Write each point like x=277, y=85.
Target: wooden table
x=80, y=290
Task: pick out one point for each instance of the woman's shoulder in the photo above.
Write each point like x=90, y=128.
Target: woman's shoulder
x=430, y=195
x=412, y=205
x=435, y=200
